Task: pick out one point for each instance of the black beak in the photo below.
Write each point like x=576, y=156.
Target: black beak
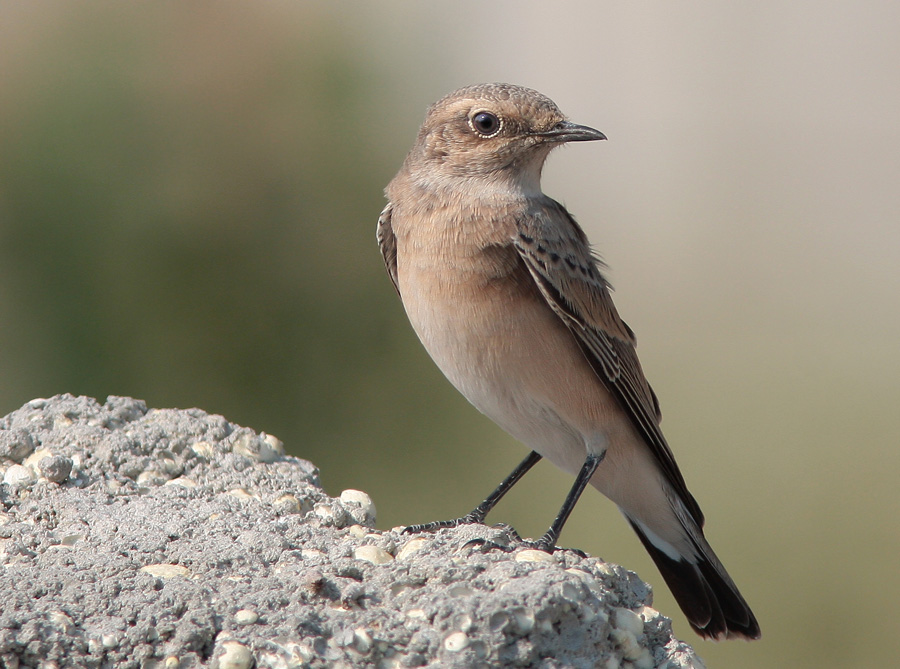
x=566, y=131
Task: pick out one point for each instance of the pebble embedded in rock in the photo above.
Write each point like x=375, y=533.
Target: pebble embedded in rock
x=256, y=447
x=533, y=555
x=456, y=642
x=373, y=554
x=19, y=476
x=273, y=443
x=412, y=546
x=166, y=570
x=362, y=641
x=287, y=504
x=182, y=481
x=151, y=478
x=246, y=617
x=628, y=620
x=204, y=449
x=33, y=459
x=357, y=531
x=360, y=499
x=522, y=620
x=55, y=468
x=235, y=656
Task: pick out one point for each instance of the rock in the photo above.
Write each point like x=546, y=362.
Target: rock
x=55, y=468
x=180, y=540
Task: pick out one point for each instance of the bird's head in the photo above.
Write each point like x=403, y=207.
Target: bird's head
x=492, y=131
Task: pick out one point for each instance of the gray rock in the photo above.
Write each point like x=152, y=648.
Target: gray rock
x=178, y=540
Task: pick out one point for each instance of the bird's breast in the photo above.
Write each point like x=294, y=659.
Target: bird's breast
x=483, y=321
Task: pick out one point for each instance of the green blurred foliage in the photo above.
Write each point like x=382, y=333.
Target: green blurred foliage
x=188, y=206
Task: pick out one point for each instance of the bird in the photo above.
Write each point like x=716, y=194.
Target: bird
x=503, y=289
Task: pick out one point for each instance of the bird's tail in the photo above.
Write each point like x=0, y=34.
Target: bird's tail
x=709, y=598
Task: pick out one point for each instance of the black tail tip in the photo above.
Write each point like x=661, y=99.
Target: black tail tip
x=720, y=629
x=709, y=598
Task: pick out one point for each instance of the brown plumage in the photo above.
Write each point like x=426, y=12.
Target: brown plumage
x=500, y=284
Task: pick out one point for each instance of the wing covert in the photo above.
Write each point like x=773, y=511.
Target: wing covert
x=555, y=250
x=387, y=242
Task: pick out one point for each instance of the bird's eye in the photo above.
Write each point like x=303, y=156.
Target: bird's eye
x=486, y=124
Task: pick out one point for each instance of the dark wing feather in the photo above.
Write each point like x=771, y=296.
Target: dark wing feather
x=387, y=242
x=556, y=252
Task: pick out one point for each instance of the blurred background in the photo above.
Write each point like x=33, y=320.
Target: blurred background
x=188, y=198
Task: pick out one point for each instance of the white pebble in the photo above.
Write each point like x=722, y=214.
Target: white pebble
x=166, y=570
x=63, y=621
x=357, y=531
x=255, y=447
x=287, y=503
x=204, y=449
x=626, y=643
x=572, y=593
x=360, y=499
x=33, y=459
x=273, y=442
x=236, y=656
x=362, y=640
x=246, y=617
x=523, y=620
x=373, y=554
x=456, y=642
x=169, y=463
x=412, y=546
x=182, y=481
x=648, y=613
x=324, y=511
x=150, y=477
x=19, y=475
x=71, y=539
x=533, y=555
x=628, y=620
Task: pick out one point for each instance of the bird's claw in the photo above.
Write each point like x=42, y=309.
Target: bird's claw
x=486, y=545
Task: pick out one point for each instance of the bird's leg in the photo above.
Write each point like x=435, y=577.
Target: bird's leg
x=547, y=542
x=478, y=514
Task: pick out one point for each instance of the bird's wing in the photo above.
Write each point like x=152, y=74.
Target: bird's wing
x=387, y=242
x=558, y=256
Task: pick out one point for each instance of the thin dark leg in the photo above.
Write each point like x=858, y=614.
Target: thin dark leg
x=548, y=541
x=477, y=514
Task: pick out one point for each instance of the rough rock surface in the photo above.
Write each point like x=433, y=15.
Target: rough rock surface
x=172, y=538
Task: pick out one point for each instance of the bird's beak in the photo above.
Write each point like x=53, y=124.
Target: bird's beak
x=566, y=131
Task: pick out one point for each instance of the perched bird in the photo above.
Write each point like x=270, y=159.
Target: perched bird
x=500, y=284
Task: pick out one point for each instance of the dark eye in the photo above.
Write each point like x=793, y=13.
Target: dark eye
x=486, y=124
